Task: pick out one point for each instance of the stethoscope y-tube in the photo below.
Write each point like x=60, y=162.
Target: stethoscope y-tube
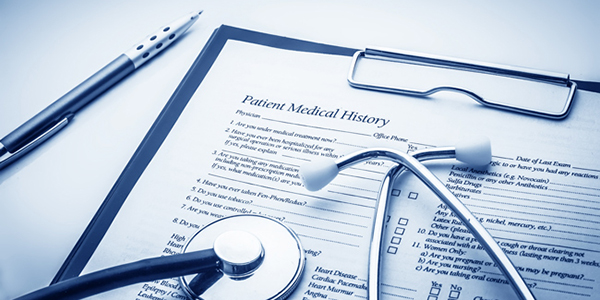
x=475, y=152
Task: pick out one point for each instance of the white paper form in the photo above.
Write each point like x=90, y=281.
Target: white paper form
x=262, y=112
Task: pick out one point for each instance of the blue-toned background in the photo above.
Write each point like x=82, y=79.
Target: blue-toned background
x=48, y=47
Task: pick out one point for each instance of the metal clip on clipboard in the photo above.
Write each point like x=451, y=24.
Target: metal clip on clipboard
x=460, y=68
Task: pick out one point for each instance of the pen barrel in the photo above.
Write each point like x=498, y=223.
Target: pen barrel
x=71, y=102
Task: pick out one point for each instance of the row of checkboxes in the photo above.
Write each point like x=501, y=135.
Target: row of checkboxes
x=399, y=231
x=434, y=294
x=435, y=291
x=396, y=239
x=411, y=195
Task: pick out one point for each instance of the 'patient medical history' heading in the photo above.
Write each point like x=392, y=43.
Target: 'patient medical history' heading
x=317, y=111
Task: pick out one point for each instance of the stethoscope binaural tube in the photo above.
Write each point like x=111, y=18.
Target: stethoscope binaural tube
x=412, y=162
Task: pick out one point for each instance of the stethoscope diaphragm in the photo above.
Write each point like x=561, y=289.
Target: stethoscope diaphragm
x=271, y=262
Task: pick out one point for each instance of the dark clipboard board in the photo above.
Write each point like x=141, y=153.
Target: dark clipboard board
x=102, y=220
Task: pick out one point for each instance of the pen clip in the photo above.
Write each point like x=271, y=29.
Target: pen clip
x=10, y=157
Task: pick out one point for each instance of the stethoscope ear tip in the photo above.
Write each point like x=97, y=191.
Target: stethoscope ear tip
x=475, y=150
x=318, y=173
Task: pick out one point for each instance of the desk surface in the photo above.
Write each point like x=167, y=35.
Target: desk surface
x=48, y=198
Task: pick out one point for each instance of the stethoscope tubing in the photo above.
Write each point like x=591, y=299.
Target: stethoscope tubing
x=413, y=163
x=140, y=271
x=206, y=260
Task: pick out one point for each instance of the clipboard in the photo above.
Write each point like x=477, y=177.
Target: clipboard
x=92, y=236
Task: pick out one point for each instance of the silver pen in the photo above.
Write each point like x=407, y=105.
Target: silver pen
x=58, y=114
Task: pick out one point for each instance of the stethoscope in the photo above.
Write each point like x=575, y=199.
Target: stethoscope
x=475, y=151
x=256, y=257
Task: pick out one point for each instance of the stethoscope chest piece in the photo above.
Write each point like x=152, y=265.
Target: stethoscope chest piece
x=260, y=258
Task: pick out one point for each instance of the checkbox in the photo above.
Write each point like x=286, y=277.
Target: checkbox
x=453, y=295
x=399, y=230
x=396, y=192
x=434, y=291
x=392, y=250
x=403, y=221
x=413, y=195
x=396, y=240
x=431, y=297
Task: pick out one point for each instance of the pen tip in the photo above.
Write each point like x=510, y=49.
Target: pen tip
x=196, y=14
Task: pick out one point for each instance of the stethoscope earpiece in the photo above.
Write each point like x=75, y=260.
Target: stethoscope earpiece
x=474, y=151
x=319, y=173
